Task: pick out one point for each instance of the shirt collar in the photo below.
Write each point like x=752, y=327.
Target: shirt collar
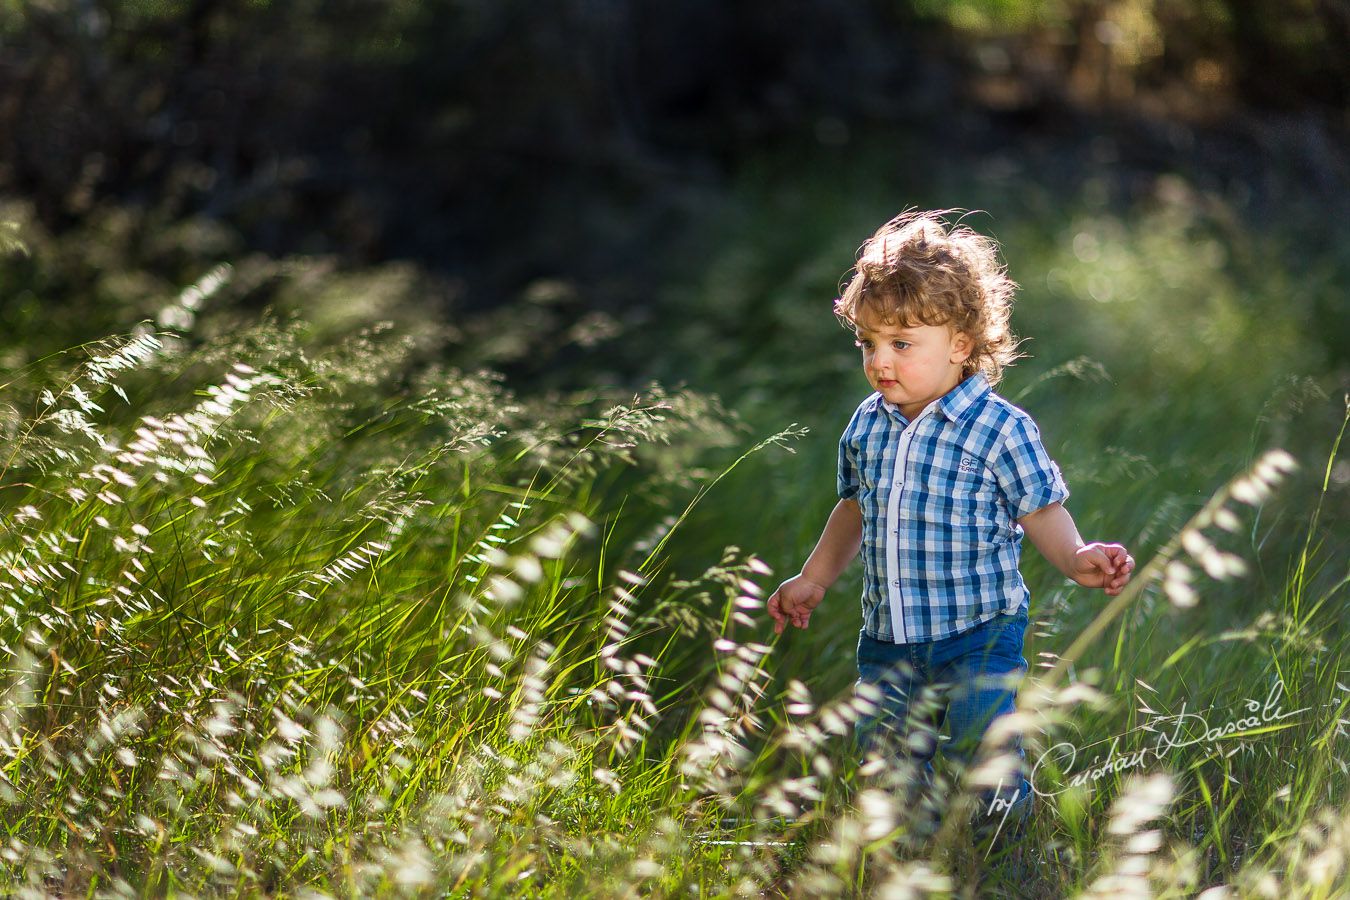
x=960, y=398
x=955, y=402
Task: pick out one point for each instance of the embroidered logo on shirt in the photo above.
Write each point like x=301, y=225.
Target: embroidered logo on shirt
x=969, y=464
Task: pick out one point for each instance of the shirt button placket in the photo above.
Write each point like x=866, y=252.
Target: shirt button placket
x=900, y=480
x=901, y=452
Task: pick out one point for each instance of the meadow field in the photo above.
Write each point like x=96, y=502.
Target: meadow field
x=295, y=606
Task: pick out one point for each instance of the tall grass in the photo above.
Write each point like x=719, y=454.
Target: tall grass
x=286, y=612
x=314, y=625
x=304, y=632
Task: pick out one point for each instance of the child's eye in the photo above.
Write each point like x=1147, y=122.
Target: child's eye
x=900, y=345
x=866, y=345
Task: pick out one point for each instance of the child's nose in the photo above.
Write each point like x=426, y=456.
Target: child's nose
x=883, y=359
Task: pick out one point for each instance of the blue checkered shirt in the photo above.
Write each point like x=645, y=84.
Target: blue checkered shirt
x=940, y=499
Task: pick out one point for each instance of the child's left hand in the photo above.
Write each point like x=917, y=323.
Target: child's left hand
x=1107, y=566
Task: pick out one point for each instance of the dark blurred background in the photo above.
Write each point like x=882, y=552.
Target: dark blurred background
x=577, y=155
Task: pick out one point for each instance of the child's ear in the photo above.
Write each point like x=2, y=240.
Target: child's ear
x=962, y=347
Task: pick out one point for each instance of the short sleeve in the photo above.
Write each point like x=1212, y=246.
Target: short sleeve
x=1027, y=477
x=848, y=484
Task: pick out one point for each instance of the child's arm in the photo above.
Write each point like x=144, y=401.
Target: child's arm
x=1052, y=530
x=838, y=544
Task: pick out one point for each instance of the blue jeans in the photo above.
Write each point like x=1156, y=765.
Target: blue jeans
x=969, y=679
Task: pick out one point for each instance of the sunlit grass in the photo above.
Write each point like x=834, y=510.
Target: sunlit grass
x=263, y=641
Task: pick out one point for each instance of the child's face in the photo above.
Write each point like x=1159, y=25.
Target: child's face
x=911, y=367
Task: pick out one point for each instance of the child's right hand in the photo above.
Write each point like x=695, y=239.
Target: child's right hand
x=794, y=600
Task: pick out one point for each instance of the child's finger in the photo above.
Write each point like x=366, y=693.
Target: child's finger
x=1123, y=573
x=1119, y=582
x=1099, y=559
x=776, y=611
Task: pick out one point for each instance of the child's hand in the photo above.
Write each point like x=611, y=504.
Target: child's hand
x=1107, y=566
x=794, y=600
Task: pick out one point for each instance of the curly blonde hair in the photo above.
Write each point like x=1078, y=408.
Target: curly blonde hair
x=919, y=269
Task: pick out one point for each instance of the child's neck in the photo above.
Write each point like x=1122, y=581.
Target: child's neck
x=912, y=411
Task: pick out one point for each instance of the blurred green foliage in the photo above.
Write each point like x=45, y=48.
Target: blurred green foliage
x=1262, y=52
x=432, y=131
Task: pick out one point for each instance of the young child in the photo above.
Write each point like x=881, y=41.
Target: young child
x=939, y=478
